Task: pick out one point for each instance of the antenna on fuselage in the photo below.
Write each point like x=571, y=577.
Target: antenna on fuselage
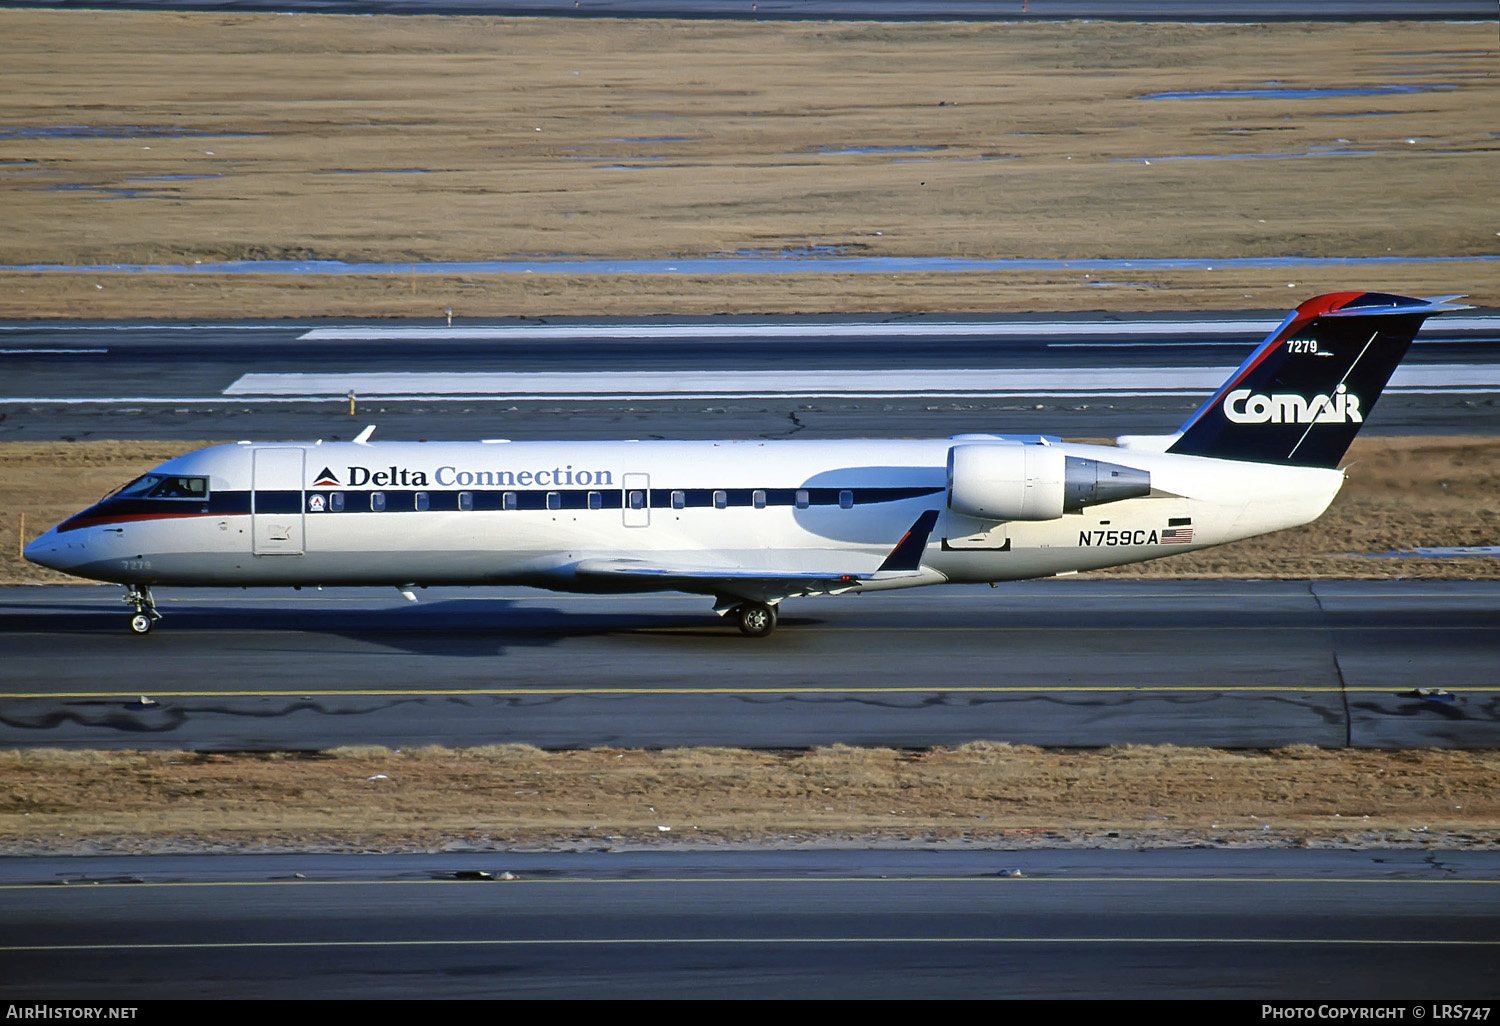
x=363, y=438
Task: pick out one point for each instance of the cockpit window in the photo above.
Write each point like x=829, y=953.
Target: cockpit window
x=140, y=486
x=181, y=488
x=164, y=486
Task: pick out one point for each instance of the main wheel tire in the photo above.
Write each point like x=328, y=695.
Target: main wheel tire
x=140, y=623
x=756, y=619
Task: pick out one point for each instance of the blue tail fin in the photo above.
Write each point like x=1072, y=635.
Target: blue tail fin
x=1302, y=395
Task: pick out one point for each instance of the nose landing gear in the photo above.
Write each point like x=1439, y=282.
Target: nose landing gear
x=139, y=595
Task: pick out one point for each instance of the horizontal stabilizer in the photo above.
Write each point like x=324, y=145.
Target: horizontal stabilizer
x=1147, y=443
x=1399, y=305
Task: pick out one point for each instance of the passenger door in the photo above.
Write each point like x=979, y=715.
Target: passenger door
x=277, y=502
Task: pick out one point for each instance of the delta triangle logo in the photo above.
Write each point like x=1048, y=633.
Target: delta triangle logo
x=325, y=478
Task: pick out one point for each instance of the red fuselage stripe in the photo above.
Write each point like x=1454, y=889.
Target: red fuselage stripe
x=79, y=522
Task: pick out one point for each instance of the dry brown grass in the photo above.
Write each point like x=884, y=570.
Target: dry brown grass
x=649, y=139
x=377, y=799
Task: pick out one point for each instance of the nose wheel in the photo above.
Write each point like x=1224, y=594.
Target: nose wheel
x=145, y=609
x=756, y=619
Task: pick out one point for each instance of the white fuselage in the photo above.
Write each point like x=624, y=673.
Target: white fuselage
x=410, y=513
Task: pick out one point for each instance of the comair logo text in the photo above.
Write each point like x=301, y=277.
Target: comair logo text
x=1245, y=407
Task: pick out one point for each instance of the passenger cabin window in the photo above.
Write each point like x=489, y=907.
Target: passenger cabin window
x=759, y=498
x=465, y=500
x=637, y=499
x=554, y=500
x=508, y=500
x=846, y=499
x=679, y=500
x=377, y=502
x=803, y=500
x=596, y=500
x=336, y=502
x=422, y=501
x=721, y=499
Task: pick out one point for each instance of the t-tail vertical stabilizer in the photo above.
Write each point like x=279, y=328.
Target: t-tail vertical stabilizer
x=1302, y=395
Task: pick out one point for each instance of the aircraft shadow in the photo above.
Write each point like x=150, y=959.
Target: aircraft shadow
x=459, y=628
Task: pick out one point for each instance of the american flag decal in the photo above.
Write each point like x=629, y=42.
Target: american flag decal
x=1177, y=536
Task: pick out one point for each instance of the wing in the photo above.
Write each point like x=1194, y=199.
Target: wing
x=765, y=584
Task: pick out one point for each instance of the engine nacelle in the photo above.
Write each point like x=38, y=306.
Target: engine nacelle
x=1008, y=481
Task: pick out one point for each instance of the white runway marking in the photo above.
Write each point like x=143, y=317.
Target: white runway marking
x=834, y=329
x=809, y=383
x=705, y=330
x=31, y=352
x=1236, y=343
x=510, y=397
x=180, y=326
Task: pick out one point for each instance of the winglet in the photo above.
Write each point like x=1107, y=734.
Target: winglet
x=907, y=555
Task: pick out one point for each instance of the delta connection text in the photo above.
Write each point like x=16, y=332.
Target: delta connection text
x=455, y=477
x=1441, y=1012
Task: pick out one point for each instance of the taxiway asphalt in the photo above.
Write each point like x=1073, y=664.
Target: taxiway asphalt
x=1268, y=925
x=808, y=377
x=1065, y=662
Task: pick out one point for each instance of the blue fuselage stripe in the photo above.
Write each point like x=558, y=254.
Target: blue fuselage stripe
x=410, y=500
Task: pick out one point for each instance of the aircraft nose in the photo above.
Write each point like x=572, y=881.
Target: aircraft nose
x=47, y=551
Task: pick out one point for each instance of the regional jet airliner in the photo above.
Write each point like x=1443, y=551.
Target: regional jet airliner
x=754, y=523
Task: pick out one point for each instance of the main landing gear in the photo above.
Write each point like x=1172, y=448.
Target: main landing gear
x=756, y=619
x=139, y=595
